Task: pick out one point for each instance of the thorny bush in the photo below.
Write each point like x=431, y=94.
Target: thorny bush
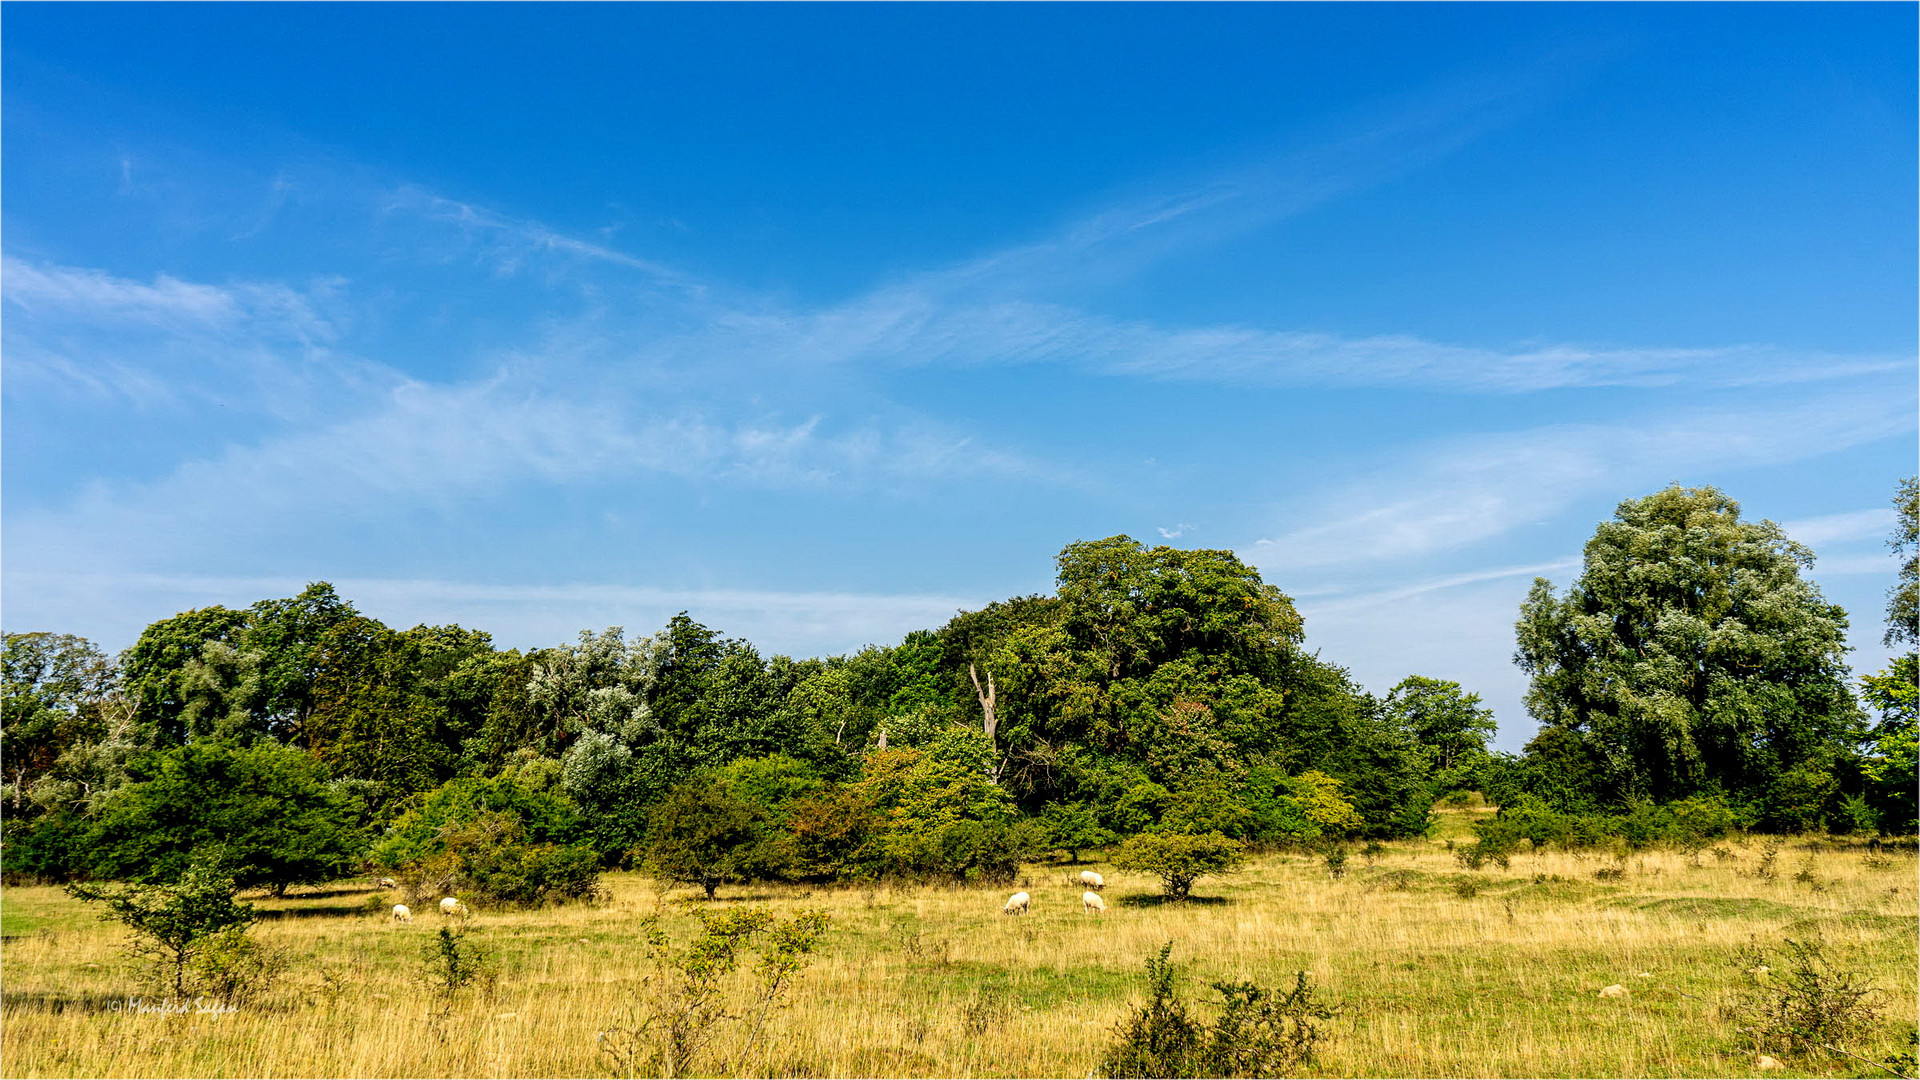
x=1259, y=1031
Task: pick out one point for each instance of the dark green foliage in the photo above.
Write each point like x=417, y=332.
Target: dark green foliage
x=541, y=814
x=488, y=859
x=174, y=923
x=1259, y=1031
x=265, y=812
x=701, y=834
x=161, y=668
x=1891, y=772
x=1073, y=827
x=1179, y=860
x=1449, y=726
x=1684, y=823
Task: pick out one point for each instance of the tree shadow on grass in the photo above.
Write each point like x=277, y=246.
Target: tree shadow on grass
x=1154, y=900
x=315, y=894
x=324, y=911
x=35, y=1001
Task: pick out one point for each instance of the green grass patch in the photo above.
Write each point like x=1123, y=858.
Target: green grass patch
x=1716, y=907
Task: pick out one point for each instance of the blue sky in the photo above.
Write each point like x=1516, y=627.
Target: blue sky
x=824, y=322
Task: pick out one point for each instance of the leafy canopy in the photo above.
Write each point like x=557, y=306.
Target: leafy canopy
x=1690, y=656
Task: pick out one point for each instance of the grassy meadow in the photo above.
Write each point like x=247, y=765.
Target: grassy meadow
x=1438, y=971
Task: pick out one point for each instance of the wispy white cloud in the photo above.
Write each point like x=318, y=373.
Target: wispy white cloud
x=509, y=244
x=903, y=327
x=1841, y=528
x=168, y=343
x=1447, y=495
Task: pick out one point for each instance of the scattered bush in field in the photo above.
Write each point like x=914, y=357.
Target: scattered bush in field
x=1807, y=877
x=174, y=925
x=683, y=1007
x=1178, y=860
x=1495, y=845
x=1335, y=856
x=1393, y=880
x=1372, y=851
x=1769, y=853
x=1466, y=890
x=234, y=968
x=1610, y=873
x=1812, y=1007
x=918, y=946
x=450, y=965
x=986, y=1007
x=1259, y=1031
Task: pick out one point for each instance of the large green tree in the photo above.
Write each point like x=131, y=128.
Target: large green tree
x=1903, y=600
x=1450, y=725
x=53, y=697
x=1691, y=656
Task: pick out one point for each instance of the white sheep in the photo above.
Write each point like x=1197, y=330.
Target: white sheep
x=1616, y=990
x=1092, y=880
x=451, y=906
x=388, y=883
x=402, y=913
x=1017, y=904
x=1090, y=901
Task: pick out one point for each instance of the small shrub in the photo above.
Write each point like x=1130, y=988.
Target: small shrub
x=1466, y=890
x=450, y=965
x=1372, y=851
x=234, y=968
x=173, y=924
x=1335, y=856
x=1807, y=877
x=987, y=1007
x=923, y=947
x=1393, y=880
x=1812, y=1007
x=1769, y=854
x=683, y=1006
x=1259, y=1031
x=1610, y=873
x=1178, y=860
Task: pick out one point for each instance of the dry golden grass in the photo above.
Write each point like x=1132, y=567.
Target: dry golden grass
x=1433, y=982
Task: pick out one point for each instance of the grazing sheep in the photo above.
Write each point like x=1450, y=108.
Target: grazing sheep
x=1616, y=990
x=402, y=913
x=450, y=906
x=388, y=883
x=1017, y=904
x=1092, y=880
x=1090, y=901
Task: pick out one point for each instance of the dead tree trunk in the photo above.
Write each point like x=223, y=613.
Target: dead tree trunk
x=992, y=720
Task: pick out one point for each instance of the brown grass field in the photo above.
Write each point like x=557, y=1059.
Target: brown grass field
x=934, y=981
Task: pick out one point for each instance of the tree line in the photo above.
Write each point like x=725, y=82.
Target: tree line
x=1156, y=691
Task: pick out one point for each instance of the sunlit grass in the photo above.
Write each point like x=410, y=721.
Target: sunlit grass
x=1433, y=982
